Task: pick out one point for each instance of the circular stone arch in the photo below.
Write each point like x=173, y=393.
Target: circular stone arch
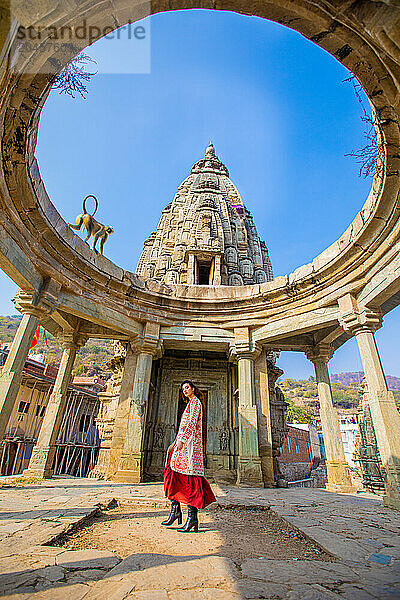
x=44, y=257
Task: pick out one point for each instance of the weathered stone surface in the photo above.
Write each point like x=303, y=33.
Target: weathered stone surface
x=145, y=572
x=87, y=559
x=336, y=544
x=302, y=571
x=142, y=575
x=251, y=588
x=312, y=592
x=357, y=592
x=52, y=573
x=201, y=594
x=85, y=575
x=112, y=590
x=63, y=592
x=151, y=595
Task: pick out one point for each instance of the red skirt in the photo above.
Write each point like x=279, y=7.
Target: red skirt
x=193, y=490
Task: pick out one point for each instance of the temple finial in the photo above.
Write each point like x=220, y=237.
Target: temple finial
x=210, y=151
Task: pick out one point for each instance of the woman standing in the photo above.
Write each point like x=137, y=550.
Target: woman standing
x=184, y=472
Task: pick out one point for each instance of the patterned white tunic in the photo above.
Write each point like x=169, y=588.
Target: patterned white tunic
x=189, y=460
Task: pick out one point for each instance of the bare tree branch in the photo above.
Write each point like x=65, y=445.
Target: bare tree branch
x=370, y=157
x=73, y=79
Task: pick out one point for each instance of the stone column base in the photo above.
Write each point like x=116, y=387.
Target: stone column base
x=391, y=499
x=339, y=477
x=267, y=469
x=130, y=469
x=100, y=470
x=41, y=462
x=249, y=472
x=391, y=502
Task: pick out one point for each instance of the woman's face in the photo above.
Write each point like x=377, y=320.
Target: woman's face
x=187, y=389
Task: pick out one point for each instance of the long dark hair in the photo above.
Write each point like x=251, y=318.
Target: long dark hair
x=195, y=389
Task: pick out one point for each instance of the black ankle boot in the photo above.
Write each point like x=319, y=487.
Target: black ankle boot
x=175, y=513
x=192, y=521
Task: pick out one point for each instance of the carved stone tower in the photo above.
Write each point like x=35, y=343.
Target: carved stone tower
x=206, y=236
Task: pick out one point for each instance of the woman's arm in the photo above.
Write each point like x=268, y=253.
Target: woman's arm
x=188, y=423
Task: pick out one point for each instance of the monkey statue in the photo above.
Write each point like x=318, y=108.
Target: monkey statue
x=93, y=227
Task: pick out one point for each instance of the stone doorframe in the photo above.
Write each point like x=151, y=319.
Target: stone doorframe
x=220, y=434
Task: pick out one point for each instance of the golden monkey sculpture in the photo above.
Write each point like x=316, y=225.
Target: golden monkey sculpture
x=93, y=227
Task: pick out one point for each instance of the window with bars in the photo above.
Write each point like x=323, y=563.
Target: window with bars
x=84, y=423
x=40, y=410
x=23, y=407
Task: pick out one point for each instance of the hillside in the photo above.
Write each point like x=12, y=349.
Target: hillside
x=358, y=376
x=90, y=360
x=302, y=395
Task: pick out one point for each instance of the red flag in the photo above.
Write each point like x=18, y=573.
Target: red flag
x=35, y=338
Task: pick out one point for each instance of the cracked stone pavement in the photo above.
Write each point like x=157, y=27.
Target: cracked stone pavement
x=356, y=529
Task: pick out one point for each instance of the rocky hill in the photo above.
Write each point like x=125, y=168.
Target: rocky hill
x=91, y=359
x=358, y=376
x=302, y=395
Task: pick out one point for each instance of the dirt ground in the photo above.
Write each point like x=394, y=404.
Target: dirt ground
x=235, y=533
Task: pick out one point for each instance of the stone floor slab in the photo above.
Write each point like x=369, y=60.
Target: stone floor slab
x=146, y=571
x=345, y=524
x=311, y=592
x=152, y=595
x=64, y=592
x=202, y=594
x=301, y=571
x=87, y=559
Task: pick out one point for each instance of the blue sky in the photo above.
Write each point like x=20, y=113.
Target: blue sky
x=277, y=111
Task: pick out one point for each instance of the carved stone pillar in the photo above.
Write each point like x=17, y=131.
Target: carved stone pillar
x=338, y=470
x=11, y=373
x=132, y=458
x=109, y=402
x=249, y=463
x=41, y=462
x=265, y=441
x=217, y=270
x=122, y=411
x=191, y=270
x=279, y=427
x=363, y=322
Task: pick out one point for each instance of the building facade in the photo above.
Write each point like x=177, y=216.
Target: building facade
x=77, y=443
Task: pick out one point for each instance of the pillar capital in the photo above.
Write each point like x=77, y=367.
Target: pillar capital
x=148, y=342
x=71, y=341
x=238, y=352
x=39, y=304
x=319, y=353
x=146, y=346
x=28, y=304
x=361, y=319
x=243, y=347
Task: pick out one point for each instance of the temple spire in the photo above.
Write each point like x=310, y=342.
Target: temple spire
x=210, y=151
x=205, y=235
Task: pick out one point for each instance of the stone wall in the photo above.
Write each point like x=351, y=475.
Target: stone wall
x=295, y=471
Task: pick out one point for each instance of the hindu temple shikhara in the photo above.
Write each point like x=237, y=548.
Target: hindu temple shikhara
x=206, y=236
x=199, y=304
